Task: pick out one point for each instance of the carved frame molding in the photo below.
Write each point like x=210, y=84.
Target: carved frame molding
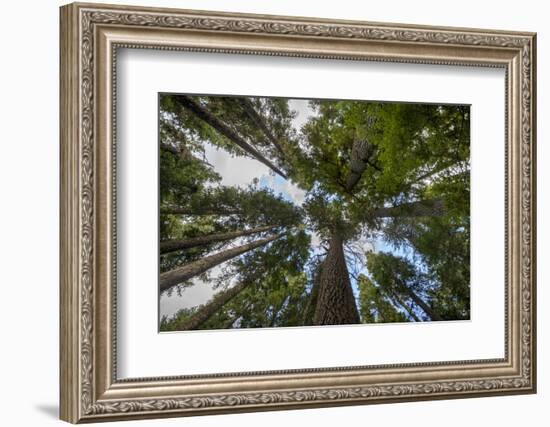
x=90, y=37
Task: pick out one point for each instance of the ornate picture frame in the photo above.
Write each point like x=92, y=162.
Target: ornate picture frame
x=90, y=37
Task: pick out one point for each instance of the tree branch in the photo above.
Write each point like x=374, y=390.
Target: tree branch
x=420, y=302
x=360, y=153
x=191, y=242
x=259, y=121
x=189, y=210
x=172, y=278
x=207, y=116
x=206, y=311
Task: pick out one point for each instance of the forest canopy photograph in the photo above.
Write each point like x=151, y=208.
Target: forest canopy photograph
x=278, y=212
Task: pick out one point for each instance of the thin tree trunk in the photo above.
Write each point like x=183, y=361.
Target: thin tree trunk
x=335, y=303
x=220, y=211
x=176, y=245
x=360, y=153
x=206, y=311
x=434, y=207
x=207, y=116
x=402, y=303
x=192, y=269
x=419, y=302
x=189, y=210
x=259, y=121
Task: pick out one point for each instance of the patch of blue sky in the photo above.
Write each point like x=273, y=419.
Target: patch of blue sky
x=285, y=188
x=403, y=251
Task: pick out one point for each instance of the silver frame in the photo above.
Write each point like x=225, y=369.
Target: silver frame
x=90, y=37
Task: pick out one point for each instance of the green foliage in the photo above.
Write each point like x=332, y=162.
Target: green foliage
x=375, y=305
x=278, y=282
x=352, y=158
x=274, y=112
x=180, y=177
x=401, y=281
x=170, y=324
x=277, y=289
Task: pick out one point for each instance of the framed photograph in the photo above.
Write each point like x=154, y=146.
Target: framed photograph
x=266, y=212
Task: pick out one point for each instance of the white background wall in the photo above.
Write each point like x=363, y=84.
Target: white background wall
x=29, y=170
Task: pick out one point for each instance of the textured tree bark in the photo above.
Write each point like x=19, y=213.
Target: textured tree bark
x=259, y=121
x=176, y=245
x=210, y=308
x=360, y=153
x=434, y=207
x=335, y=302
x=192, y=269
x=204, y=114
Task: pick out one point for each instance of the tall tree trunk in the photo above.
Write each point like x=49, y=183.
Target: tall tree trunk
x=419, y=302
x=206, y=311
x=394, y=296
x=360, y=153
x=192, y=269
x=189, y=210
x=176, y=245
x=335, y=303
x=433, y=207
x=259, y=121
x=207, y=116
